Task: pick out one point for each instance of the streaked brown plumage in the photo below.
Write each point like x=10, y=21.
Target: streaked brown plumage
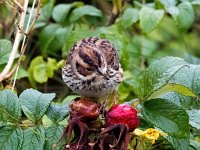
x=92, y=68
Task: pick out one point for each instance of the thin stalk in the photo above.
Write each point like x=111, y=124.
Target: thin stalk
x=16, y=43
x=24, y=41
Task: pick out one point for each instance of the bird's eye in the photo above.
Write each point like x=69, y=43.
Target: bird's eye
x=88, y=69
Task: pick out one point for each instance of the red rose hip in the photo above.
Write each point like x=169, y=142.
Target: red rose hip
x=122, y=114
x=84, y=108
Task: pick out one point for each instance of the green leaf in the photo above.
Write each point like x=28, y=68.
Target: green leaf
x=168, y=3
x=178, y=144
x=11, y=138
x=47, y=37
x=171, y=119
x=46, y=12
x=174, y=11
x=2, y=117
x=57, y=113
x=40, y=75
x=184, y=75
x=142, y=46
x=5, y=50
x=195, y=2
x=129, y=17
x=22, y=73
x=194, y=116
x=151, y=78
x=180, y=78
x=173, y=88
x=60, y=12
x=10, y=107
x=35, y=104
x=39, y=25
x=60, y=64
x=185, y=102
x=54, y=134
x=150, y=18
x=46, y=122
x=29, y=18
x=188, y=77
x=185, y=18
x=40, y=70
x=195, y=144
x=123, y=91
x=52, y=38
x=85, y=10
x=62, y=34
x=51, y=66
x=34, y=138
x=192, y=59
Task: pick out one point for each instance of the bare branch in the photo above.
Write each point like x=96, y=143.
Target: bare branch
x=36, y=17
x=26, y=37
x=16, y=43
x=9, y=75
x=19, y=7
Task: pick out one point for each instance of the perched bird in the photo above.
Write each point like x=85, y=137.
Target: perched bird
x=92, y=68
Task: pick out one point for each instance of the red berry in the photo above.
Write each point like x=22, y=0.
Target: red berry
x=123, y=114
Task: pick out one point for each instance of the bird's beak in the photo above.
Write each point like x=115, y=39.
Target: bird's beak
x=100, y=71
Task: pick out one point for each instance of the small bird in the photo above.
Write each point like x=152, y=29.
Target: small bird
x=92, y=68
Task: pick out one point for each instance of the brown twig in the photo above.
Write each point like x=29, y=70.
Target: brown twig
x=9, y=75
x=19, y=7
x=36, y=17
x=25, y=40
x=5, y=73
x=16, y=43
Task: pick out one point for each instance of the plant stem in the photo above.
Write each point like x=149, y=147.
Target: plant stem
x=23, y=47
x=16, y=42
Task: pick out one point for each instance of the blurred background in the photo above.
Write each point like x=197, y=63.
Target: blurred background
x=142, y=31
